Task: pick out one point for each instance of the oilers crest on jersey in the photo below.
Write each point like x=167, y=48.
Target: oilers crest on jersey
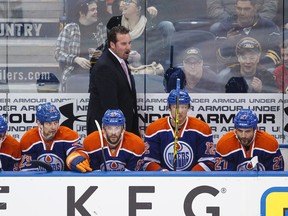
x=113, y=165
x=247, y=166
x=185, y=155
x=53, y=160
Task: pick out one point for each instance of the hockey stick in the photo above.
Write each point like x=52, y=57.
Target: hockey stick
x=42, y=164
x=102, y=144
x=176, y=125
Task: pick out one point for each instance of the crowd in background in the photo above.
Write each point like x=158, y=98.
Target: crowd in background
x=213, y=27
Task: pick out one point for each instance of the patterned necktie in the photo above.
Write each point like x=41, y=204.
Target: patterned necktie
x=124, y=66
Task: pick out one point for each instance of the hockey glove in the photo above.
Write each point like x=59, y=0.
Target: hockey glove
x=78, y=163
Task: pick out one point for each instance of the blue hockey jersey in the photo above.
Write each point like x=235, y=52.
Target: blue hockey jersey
x=195, y=146
x=53, y=153
x=232, y=156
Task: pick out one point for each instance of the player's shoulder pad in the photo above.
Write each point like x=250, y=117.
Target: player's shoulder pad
x=92, y=141
x=266, y=141
x=157, y=125
x=30, y=137
x=199, y=125
x=12, y=141
x=67, y=134
x=133, y=143
x=12, y=146
x=227, y=144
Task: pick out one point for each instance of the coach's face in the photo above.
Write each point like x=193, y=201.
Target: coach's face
x=122, y=47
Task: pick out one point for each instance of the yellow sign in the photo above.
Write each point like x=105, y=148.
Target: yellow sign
x=274, y=202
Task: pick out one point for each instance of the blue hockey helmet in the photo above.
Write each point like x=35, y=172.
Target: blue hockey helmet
x=246, y=118
x=3, y=125
x=184, y=97
x=47, y=113
x=114, y=117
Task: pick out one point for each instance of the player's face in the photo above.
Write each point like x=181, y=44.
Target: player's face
x=183, y=110
x=113, y=134
x=245, y=136
x=91, y=16
x=248, y=64
x=122, y=47
x=49, y=130
x=246, y=13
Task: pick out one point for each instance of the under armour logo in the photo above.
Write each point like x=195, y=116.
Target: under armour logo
x=68, y=111
x=286, y=112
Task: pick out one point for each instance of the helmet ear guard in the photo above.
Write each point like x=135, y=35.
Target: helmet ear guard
x=246, y=118
x=47, y=113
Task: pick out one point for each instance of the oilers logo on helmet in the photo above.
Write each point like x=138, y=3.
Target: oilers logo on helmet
x=185, y=155
x=47, y=113
x=246, y=118
x=113, y=117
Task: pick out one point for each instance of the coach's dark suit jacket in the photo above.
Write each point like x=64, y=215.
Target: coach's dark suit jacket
x=109, y=89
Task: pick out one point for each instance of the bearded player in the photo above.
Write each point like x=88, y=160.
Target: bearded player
x=119, y=150
x=247, y=148
x=55, y=145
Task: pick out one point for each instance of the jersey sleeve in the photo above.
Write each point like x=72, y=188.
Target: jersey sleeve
x=205, y=152
x=225, y=151
x=135, y=162
x=152, y=141
x=92, y=146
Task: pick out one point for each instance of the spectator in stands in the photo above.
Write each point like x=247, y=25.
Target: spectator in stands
x=79, y=40
x=248, y=23
x=133, y=19
x=174, y=16
x=57, y=146
x=196, y=78
x=114, y=148
x=247, y=76
x=247, y=148
x=222, y=9
x=10, y=151
x=192, y=137
x=281, y=72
